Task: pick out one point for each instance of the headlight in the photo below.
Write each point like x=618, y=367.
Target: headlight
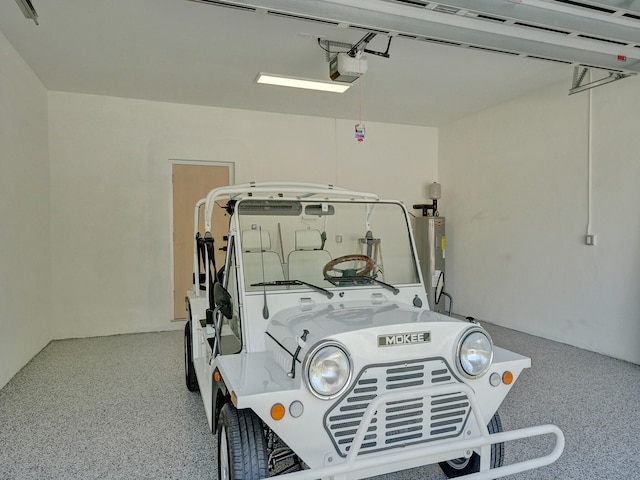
x=328, y=370
x=475, y=353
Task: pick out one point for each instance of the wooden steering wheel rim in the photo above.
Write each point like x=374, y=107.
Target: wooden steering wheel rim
x=348, y=258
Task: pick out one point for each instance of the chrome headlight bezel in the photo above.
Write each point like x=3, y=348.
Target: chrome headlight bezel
x=309, y=363
x=462, y=347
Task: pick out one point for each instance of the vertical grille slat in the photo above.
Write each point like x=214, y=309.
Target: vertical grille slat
x=441, y=400
x=403, y=423
x=347, y=408
x=443, y=430
x=450, y=407
x=447, y=422
x=402, y=439
x=366, y=381
x=400, y=422
x=361, y=398
x=365, y=390
x=455, y=413
x=391, y=418
x=392, y=371
x=409, y=376
x=395, y=386
x=347, y=416
x=404, y=407
x=338, y=426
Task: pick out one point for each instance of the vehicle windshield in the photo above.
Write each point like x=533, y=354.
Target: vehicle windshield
x=325, y=244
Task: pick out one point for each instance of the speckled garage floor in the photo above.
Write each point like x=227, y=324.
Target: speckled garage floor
x=117, y=408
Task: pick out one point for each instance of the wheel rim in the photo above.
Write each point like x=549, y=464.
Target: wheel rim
x=459, y=463
x=223, y=455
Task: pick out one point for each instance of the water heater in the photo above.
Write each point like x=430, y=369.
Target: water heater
x=430, y=239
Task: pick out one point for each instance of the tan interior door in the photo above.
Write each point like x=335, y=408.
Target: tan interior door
x=190, y=184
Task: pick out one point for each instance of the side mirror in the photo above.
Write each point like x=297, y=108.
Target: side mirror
x=439, y=287
x=223, y=300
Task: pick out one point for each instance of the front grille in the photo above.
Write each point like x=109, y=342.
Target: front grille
x=415, y=419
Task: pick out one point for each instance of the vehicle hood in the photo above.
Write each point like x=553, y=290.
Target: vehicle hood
x=332, y=322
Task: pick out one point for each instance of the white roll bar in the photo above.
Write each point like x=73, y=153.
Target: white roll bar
x=293, y=189
x=196, y=259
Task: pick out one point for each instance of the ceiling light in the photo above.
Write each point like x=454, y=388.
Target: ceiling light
x=28, y=10
x=269, y=79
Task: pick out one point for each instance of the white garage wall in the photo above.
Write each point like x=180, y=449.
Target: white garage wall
x=515, y=196
x=25, y=269
x=111, y=190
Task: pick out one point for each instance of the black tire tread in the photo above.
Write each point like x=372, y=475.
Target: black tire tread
x=497, y=454
x=497, y=449
x=191, y=379
x=246, y=443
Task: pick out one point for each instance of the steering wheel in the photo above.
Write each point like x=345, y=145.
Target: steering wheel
x=348, y=272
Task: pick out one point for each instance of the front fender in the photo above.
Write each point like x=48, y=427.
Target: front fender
x=219, y=396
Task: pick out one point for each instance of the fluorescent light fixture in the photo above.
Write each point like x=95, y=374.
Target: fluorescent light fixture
x=27, y=10
x=282, y=81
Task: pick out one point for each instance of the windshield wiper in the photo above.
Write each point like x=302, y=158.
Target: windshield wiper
x=358, y=278
x=388, y=286
x=280, y=283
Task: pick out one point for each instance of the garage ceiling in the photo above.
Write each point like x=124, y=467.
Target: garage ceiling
x=447, y=60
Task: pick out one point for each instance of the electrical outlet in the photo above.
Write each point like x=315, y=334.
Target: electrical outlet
x=590, y=240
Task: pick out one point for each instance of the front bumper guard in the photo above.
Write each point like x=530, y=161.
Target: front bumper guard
x=352, y=464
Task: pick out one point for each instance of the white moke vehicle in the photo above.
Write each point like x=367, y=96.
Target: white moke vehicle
x=316, y=353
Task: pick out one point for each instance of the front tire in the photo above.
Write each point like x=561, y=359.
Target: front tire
x=189, y=370
x=463, y=466
x=242, y=449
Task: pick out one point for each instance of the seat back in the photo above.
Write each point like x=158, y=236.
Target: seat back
x=256, y=255
x=308, y=259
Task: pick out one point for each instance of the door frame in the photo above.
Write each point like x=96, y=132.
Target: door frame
x=172, y=161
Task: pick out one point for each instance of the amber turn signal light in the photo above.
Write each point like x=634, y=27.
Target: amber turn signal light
x=278, y=411
x=507, y=378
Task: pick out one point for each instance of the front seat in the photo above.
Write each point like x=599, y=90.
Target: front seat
x=256, y=256
x=308, y=259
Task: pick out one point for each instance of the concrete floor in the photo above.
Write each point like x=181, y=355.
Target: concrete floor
x=117, y=408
